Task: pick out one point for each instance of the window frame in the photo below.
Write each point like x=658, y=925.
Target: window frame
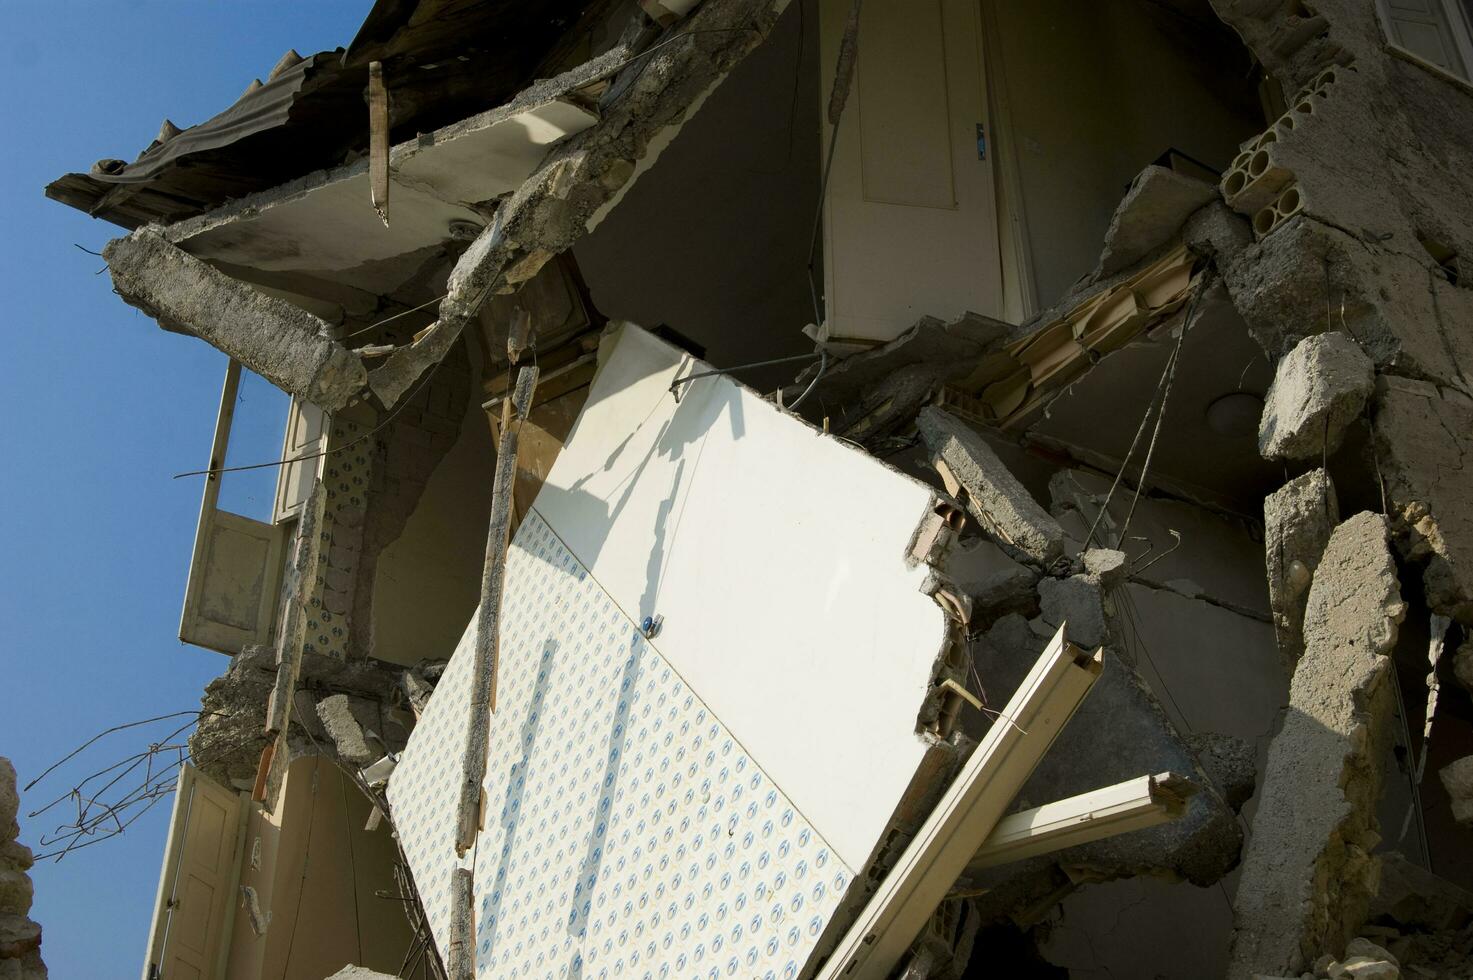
x=1459, y=20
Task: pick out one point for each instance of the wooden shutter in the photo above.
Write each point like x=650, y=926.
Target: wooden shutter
x=235, y=574
x=306, y=432
x=1433, y=30
x=191, y=918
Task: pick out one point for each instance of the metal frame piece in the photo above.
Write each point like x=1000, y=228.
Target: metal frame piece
x=967, y=813
x=1135, y=804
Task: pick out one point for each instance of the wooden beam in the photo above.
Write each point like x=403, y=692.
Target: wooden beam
x=488, y=617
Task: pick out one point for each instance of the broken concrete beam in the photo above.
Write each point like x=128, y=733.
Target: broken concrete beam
x=1297, y=521
x=1319, y=388
x=1308, y=874
x=931, y=352
x=342, y=717
x=583, y=178
x=286, y=345
x=1457, y=779
x=1159, y=202
x=992, y=494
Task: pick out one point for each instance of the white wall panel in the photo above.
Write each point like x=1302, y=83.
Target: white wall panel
x=696, y=803
x=776, y=556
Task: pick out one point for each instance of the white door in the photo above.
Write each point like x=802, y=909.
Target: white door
x=306, y=437
x=910, y=225
x=1433, y=30
x=191, y=917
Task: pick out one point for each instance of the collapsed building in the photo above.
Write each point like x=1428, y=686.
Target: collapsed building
x=1088, y=591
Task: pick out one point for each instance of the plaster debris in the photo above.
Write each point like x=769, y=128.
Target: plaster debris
x=359, y=973
x=1457, y=779
x=1320, y=387
x=1297, y=521
x=1158, y=203
x=1308, y=873
x=992, y=494
x=286, y=345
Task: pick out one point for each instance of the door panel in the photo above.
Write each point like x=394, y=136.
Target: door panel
x=910, y=223
x=235, y=572
x=306, y=432
x=192, y=912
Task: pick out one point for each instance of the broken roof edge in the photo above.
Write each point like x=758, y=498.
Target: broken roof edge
x=550, y=92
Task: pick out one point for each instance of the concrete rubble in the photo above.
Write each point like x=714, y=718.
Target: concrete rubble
x=1308, y=873
x=992, y=494
x=354, y=711
x=1297, y=521
x=1457, y=779
x=1320, y=387
x=20, y=936
x=1158, y=203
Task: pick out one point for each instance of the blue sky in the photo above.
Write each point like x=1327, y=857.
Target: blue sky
x=99, y=408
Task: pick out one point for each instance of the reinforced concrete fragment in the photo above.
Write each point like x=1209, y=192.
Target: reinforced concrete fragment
x=1158, y=203
x=1457, y=779
x=286, y=345
x=993, y=495
x=1319, y=388
x=1308, y=874
x=1297, y=521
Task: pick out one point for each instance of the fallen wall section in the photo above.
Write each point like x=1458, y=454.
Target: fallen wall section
x=701, y=586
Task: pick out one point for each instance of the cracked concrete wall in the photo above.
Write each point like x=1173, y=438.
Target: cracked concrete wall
x=1379, y=160
x=1308, y=874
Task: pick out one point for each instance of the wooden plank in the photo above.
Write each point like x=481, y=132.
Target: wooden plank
x=488, y=625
